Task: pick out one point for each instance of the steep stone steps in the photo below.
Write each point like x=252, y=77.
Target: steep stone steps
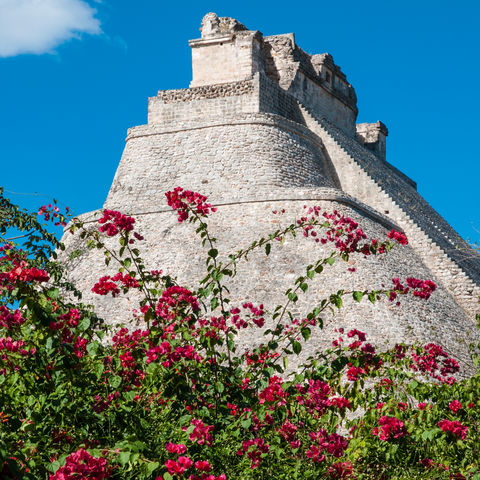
x=380, y=185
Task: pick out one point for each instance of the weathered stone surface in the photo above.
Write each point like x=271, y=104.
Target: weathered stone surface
x=266, y=126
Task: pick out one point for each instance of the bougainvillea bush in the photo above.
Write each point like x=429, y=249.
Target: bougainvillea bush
x=170, y=396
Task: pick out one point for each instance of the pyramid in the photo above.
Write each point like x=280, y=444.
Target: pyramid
x=263, y=127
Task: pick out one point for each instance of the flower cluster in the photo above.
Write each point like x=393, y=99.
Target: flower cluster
x=22, y=273
x=289, y=432
x=435, y=362
x=341, y=470
x=398, y=236
x=273, y=392
x=314, y=396
x=107, y=284
x=254, y=449
x=83, y=465
x=53, y=212
x=455, y=406
x=453, y=427
x=421, y=288
x=323, y=442
x=201, y=433
x=256, y=315
x=177, y=448
x=180, y=466
x=342, y=231
x=184, y=463
x=131, y=347
x=176, y=300
x=390, y=427
x=182, y=200
x=113, y=221
x=8, y=319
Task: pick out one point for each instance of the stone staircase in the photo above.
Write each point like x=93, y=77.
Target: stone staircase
x=382, y=186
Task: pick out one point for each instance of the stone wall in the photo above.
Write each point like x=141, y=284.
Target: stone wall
x=223, y=157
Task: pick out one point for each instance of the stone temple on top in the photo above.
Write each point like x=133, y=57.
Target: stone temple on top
x=266, y=126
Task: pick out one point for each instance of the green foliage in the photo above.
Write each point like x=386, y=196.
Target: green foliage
x=131, y=404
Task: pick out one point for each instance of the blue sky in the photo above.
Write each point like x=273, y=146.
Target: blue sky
x=75, y=74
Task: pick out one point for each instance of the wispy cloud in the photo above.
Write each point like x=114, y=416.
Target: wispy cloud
x=38, y=26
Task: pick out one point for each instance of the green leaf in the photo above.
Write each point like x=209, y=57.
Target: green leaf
x=310, y=274
x=430, y=434
x=304, y=287
x=412, y=385
x=127, y=262
x=151, y=467
x=115, y=381
x=123, y=458
x=246, y=423
x=292, y=296
x=84, y=324
x=330, y=261
x=92, y=348
x=167, y=476
x=53, y=293
x=297, y=347
x=372, y=297
x=336, y=300
x=285, y=362
x=268, y=247
x=54, y=466
x=213, y=252
x=357, y=296
x=306, y=332
x=214, y=303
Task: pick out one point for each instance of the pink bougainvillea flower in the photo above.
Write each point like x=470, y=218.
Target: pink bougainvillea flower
x=454, y=428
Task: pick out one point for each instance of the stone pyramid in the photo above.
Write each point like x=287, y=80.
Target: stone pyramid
x=265, y=126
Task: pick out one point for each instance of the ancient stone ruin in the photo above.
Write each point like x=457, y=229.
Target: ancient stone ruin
x=265, y=126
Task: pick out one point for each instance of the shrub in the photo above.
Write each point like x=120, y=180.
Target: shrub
x=176, y=398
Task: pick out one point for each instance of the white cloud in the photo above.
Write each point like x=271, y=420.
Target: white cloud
x=38, y=26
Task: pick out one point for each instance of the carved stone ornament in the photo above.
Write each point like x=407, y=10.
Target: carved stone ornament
x=210, y=25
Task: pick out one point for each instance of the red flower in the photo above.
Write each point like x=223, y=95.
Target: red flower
x=175, y=448
x=178, y=467
x=398, y=236
x=340, y=470
x=390, y=427
x=201, y=433
x=453, y=427
x=203, y=466
x=455, y=406
x=82, y=465
x=181, y=200
x=113, y=222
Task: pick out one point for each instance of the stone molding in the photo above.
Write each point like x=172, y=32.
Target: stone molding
x=228, y=89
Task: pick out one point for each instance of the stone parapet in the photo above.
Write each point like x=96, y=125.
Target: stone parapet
x=242, y=87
